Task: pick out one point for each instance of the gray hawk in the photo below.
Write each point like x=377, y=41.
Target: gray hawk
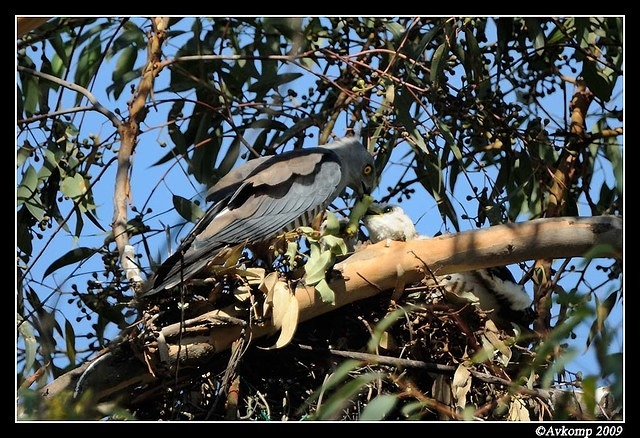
x=494, y=289
x=264, y=197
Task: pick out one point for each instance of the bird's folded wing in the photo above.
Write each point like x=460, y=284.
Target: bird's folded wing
x=277, y=194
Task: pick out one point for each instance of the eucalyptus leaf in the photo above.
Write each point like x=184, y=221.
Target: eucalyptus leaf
x=267, y=83
x=317, y=265
x=74, y=256
x=30, y=343
x=74, y=186
x=28, y=185
x=187, y=209
x=327, y=295
x=70, y=341
x=378, y=408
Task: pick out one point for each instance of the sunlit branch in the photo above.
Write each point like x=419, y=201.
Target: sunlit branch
x=97, y=106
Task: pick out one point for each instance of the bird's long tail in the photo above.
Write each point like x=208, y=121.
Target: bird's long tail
x=173, y=271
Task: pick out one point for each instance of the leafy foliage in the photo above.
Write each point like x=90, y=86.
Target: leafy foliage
x=492, y=120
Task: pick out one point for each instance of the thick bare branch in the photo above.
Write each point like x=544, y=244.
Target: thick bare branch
x=129, y=131
x=379, y=267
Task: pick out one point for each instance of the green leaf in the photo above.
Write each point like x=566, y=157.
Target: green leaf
x=600, y=81
x=536, y=34
x=613, y=364
x=404, y=102
x=396, y=29
x=45, y=86
x=560, y=34
x=70, y=341
x=298, y=127
x=30, y=345
x=88, y=62
x=333, y=406
x=79, y=225
x=413, y=411
x=205, y=156
x=449, y=139
x=36, y=209
x=438, y=63
x=588, y=385
x=28, y=185
x=286, y=26
x=332, y=226
x=607, y=197
x=31, y=95
x=177, y=137
x=556, y=338
x=557, y=367
x=308, y=231
x=74, y=186
x=24, y=238
x=187, y=209
x=25, y=194
x=603, y=310
x=317, y=265
x=268, y=124
x=603, y=250
x=73, y=256
x=292, y=250
x=426, y=40
x=335, y=244
x=70, y=131
x=133, y=36
x=382, y=326
x=106, y=312
x=379, y=408
x=124, y=71
x=612, y=151
x=433, y=183
x=60, y=49
x=327, y=295
x=23, y=154
x=341, y=373
x=228, y=161
x=262, y=86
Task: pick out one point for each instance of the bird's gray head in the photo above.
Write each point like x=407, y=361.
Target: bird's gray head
x=387, y=221
x=357, y=162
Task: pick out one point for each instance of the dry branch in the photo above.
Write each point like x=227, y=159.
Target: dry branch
x=382, y=266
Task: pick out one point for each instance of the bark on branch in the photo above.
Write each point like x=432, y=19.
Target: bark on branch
x=128, y=132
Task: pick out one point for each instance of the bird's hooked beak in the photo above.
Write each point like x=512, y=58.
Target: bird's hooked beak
x=375, y=208
x=365, y=189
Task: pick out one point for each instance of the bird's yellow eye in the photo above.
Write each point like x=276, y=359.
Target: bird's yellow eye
x=367, y=169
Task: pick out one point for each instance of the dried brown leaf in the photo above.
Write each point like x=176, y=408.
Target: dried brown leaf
x=283, y=304
x=461, y=385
